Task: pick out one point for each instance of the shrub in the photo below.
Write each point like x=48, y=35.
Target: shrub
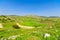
x=16, y=26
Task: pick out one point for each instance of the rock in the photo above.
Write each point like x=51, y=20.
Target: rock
x=4, y=39
x=13, y=37
x=1, y=26
x=46, y=35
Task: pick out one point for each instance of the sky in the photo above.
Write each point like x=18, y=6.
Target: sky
x=30, y=7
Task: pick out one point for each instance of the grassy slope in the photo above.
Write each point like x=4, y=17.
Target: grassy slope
x=43, y=23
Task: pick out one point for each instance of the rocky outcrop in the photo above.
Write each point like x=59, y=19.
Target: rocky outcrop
x=1, y=26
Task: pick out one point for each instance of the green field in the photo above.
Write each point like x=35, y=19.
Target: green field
x=41, y=24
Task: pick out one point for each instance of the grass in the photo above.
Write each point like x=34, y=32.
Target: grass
x=42, y=25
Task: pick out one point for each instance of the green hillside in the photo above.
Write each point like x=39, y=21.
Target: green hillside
x=42, y=25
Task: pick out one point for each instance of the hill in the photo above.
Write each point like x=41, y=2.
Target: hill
x=41, y=25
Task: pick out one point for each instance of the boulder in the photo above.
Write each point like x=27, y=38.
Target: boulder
x=1, y=26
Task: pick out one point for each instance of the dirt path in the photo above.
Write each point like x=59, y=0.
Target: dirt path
x=25, y=27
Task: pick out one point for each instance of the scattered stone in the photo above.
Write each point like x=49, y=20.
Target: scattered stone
x=4, y=39
x=46, y=35
x=1, y=26
x=13, y=37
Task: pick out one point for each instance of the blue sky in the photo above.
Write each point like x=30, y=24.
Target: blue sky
x=27, y=7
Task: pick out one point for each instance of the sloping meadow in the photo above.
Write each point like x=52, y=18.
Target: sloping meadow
x=45, y=28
